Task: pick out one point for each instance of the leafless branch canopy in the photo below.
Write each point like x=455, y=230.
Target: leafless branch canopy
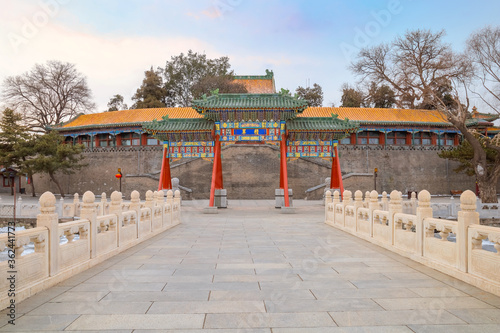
x=48, y=94
x=483, y=47
x=418, y=66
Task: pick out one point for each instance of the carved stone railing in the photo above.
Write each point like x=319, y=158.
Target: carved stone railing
x=453, y=247
x=64, y=249
x=31, y=269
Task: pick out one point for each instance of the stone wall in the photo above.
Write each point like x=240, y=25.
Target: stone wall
x=252, y=172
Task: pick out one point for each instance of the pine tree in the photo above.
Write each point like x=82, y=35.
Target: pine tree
x=54, y=156
x=16, y=145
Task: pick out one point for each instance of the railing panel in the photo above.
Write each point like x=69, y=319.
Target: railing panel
x=350, y=218
x=30, y=267
x=145, y=222
x=381, y=229
x=482, y=263
x=77, y=249
x=339, y=215
x=405, y=232
x=363, y=222
x=128, y=231
x=440, y=249
x=107, y=236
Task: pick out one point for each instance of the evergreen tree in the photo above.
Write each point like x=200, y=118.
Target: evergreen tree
x=351, y=97
x=225, y=84
x=151, y=94
x=54, y=156
x=313, y=96
x=116, y=103
x=184, y=71
x=16, y=145
x=381, y=96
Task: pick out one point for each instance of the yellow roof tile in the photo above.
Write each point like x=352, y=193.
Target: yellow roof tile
x=358, y=114
x=131, y=116
x=378, y=115
x=257, y=86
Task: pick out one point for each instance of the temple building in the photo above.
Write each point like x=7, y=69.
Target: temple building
x=263, y=116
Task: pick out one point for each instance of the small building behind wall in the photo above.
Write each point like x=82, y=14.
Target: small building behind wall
x=11, y=181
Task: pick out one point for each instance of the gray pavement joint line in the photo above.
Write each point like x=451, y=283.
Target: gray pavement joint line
x=373, y=300
x=204, y=321
x=71, y=323
x=410, y=329
x=162, y=289
x=332, y=318
x=104, y=296
x=149, y=307
x=310, y=290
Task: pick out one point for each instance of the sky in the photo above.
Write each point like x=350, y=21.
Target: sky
x=112, y=42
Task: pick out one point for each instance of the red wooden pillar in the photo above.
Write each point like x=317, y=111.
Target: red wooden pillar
x=336, y=175
x=165, y=178
x=283, y=170
x=216, y=171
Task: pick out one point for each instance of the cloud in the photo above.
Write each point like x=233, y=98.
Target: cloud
x=112, y=64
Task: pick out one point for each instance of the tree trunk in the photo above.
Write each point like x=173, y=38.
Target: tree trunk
x=488, y=188
x=32, y=186
x=57, y=184
x=12, y=186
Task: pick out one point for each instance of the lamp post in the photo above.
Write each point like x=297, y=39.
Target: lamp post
x=119, y=176
x=375, y=179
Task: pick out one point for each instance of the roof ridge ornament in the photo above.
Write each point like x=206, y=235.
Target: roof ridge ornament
x=215, y=92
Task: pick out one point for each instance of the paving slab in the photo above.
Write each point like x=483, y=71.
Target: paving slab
x=251, y=269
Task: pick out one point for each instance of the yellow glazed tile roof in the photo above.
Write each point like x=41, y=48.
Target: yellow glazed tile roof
x=378, y=115
x=130, y=116
x=363, y=115
x=257, y=86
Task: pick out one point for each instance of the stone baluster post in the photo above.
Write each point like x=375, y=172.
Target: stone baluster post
x=328, y=200
x=168, y=209
x=347, y=198
x=149, y=200
x=177, y=207
x=76, y=203
x=413, y=202
x=61, y=207
x=104, y=202
x=149, y=203
x=115, y=207
x=358, y=200
x=89, y=212
x=424, y=210
x=358, y=203
x=335, y=201
x=384, y=201
x=466, y=216
x=453, y=207
x=395, y=206
x=159, y=198
x=49, y=219
x=373, y=205
x=19, y=205
x=367, y=199
x=135, y=205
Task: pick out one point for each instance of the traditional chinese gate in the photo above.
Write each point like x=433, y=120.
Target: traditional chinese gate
x=260, y=118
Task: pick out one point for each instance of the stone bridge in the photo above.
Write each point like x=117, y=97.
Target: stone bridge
x=251, y=269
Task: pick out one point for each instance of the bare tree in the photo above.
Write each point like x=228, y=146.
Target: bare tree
x=408, y=65
x=483, y=48
x=417, y=65
x=48, y=94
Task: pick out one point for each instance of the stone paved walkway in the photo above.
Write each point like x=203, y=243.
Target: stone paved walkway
x=252, y=269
